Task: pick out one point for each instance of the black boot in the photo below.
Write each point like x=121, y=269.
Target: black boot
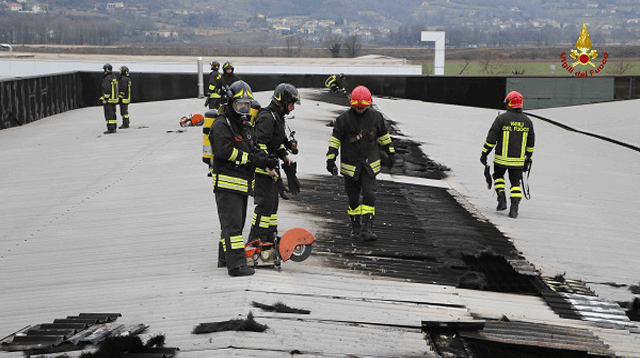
x=502, y=200
x=355, y=227
x=125, y=123
x=222, y=260
x=243, y=270
x=513, y=212
x=366, y=233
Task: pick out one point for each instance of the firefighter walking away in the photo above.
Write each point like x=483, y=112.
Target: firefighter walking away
x=513, y=138
x=360, y=132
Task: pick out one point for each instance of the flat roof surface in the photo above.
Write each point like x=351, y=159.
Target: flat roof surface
x=127, y=223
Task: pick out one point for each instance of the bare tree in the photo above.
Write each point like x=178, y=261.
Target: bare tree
x=294, y=44
x=492, y=63
x=353, y=45
x=620, y=67
x=333, y=43
x=466, y=64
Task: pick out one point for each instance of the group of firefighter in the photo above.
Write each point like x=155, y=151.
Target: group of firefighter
x=246, y=146
x=115, y=90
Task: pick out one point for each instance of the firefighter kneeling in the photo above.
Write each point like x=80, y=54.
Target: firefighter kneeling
x=360, y=131
x=234, y=162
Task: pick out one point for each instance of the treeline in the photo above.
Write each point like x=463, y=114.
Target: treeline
x=32, y=29
x=546, y=36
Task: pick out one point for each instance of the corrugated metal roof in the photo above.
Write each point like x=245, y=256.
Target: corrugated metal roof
x=126, y=223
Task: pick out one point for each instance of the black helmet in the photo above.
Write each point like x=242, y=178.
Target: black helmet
x=124, y=69
x=107, y=67
x=240, y=97
x=227, y=65
x=215, y=65
x=284, y=94
x=341, y=75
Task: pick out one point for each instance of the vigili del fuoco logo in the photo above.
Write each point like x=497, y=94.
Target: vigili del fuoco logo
x=583, y=57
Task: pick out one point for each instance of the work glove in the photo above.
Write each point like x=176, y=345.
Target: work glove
x=331, y=167
x=483, y=158
x=206, y=101
x=527, y=163
x=282, y=190
x=391, y=160
x=263, y=161
x=292, y=179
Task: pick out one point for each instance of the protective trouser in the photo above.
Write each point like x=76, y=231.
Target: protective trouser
x=232, y=212
x=366, y=185
x=265, y=217
x=515, y=178
x=124, y=112
x=110, y=116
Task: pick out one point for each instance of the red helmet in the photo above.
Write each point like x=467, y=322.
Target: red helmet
x=513, y=100
x=361, y=97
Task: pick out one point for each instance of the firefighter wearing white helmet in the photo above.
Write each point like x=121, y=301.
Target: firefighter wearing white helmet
x=513, y=138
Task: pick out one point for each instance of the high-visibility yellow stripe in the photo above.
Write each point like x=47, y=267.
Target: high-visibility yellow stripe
x=366, y=209
x=499, y=183
x=375, y=166
x=334, y=142
x=224, y=244
x=237, y=242
x=229, y=182
x=346, y=169
x=523, y=148
x=273, y=220
x=234, y=155
x=356, y=211
x=331, y=156
x=385, y=139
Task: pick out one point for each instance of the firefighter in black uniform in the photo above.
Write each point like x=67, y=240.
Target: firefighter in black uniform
x=213, y=97
x=232, y=172
x=227, y=77
x=335, y=83
x=109, y=97
x=124, y=95
x=513, y=137
x=360, y=131
x=272, y=140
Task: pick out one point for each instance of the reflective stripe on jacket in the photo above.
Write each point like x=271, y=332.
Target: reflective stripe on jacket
x=231, y=170
x=512, y=136
x=360, y=137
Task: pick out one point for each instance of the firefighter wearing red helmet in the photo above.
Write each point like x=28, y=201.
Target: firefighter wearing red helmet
x=513, y=137
x=359, y=133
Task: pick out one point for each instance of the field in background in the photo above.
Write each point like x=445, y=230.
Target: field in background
x=627, y=67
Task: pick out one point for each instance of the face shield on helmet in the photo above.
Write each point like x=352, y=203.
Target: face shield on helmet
x=360, y=97
x=513, y=100
x=241, y=98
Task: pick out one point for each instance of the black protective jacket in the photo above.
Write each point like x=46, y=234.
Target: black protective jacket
x=513, y=137
x=360, y=136
x=231, y=144
x=270, y=135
